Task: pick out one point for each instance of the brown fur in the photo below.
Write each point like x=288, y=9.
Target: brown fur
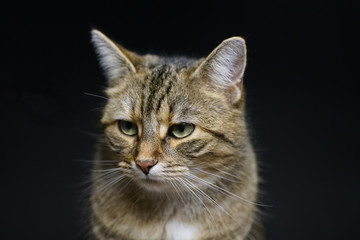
x=205, y=183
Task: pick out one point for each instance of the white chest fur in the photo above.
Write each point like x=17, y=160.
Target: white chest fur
x=177, y=230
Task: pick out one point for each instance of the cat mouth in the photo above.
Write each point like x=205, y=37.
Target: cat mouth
x=148, y=180
x=152, y=184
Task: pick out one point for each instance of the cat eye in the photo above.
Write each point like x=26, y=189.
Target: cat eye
x=128, y=128
x=181, y=130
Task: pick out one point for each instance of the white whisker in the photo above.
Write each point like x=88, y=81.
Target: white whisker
x=215, y=175
x=227, y=173
x=212, y=201
x=208, y=197
x=105, y=174
x=110, y=184
x=91, y=134
x=176, y=187
x=106, y=170
x=201, y=201
x=94, y=95
x=103, y=160
x=96, y=161
x=108, y=178
x=125, y=185
x=222, y=190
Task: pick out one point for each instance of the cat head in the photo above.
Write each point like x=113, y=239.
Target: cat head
x=172, y=118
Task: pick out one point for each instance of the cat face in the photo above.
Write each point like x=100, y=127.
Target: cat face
x=171, y=120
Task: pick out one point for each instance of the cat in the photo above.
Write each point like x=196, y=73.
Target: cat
x=174, y=160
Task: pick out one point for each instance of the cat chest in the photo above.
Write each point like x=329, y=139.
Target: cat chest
x=178, y=230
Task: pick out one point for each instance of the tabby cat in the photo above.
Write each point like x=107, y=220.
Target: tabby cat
x=174, y=160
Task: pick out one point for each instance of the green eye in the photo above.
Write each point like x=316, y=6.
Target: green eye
x=128, y=128
x=181, y=130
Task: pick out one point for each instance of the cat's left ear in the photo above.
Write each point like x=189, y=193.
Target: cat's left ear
x=115, y=61
x=223, y=69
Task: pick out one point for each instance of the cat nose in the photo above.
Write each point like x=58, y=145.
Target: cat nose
x=145, y=165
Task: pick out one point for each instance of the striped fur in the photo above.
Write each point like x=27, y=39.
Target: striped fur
x=205, y=183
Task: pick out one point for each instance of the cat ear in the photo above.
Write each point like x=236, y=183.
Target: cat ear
x=113, y=58
x=224, y=68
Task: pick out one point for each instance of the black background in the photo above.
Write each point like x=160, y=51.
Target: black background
x=302, y=103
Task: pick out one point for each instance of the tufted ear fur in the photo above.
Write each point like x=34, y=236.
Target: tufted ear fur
x=224, y=68
x=114, y=60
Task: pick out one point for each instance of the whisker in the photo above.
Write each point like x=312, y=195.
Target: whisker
x=127, y=183
x=110, y=183
x=215, y=175
x=215, y=203
x=227, y=173
x=95, y=135
x=118, y=190
x=224, y=191
x=137, y=195
x=180, y=188
x=104, y=160
x=208, y=197
x=167, y=196
x=96, y=161
x=94, y=95
x=102, y=174
x=201, y=201
x=177, y=190
x=211, y=201
x=106, y=170
x=105, y=176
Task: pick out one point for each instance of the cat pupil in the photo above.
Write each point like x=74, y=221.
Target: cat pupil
x=181, y=127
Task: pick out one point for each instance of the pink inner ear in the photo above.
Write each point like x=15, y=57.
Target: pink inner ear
x=234, y=92
x=231, y=90
x=239, y=84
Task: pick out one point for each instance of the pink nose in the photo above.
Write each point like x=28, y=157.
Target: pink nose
x=145, y=165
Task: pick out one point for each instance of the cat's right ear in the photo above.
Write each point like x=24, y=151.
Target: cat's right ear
x=113, y=60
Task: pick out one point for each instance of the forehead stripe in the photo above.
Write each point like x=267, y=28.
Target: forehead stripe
x=169, y=86
x=156, y=82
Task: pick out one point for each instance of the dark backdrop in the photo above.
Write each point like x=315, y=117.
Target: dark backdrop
x=301, y=91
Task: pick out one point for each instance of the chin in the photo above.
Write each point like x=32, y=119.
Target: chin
x=152, y=185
